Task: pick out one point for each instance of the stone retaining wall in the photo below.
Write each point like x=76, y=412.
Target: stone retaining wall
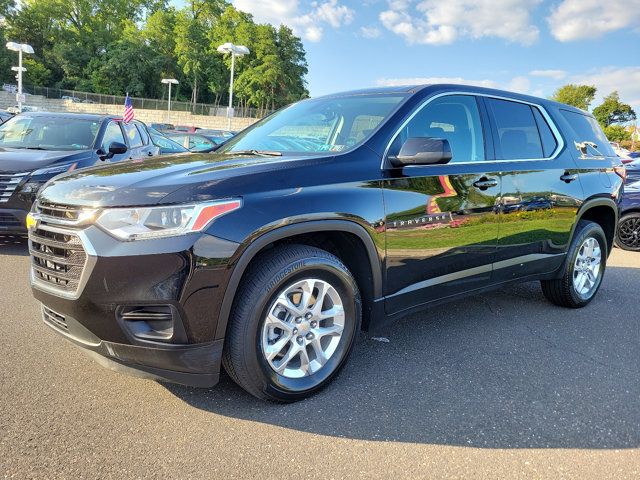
x=147, y=116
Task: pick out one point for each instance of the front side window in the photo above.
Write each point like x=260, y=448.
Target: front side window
x=112, y=133
x=516, y=129
x=455, y=118
x=334, y=124
x=48, y=133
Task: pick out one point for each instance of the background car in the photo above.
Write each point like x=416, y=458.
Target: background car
x=166, y=145
x=623, y=153
x=217, y=136
x=162, y=127
x=194, y=142
x=186, y=129
x=628, y=231
x=35, y=147
x=633, y=171
x=4, y=116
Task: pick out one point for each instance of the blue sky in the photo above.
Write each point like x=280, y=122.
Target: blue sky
x=531, y=46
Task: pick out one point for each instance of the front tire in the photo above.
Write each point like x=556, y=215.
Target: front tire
x=293, y=323
x=583, y=269
x=628, y=232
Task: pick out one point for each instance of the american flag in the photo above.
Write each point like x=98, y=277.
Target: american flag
x=128, y=109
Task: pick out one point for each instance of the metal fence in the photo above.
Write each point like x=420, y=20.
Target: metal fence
x=145, y=103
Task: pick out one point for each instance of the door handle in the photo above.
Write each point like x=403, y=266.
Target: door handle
x=568, y=177
x=485, y=183
x=150, y=154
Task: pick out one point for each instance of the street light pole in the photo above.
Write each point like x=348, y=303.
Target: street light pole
x=19, y=47
x=235, y=51
x=169, y=81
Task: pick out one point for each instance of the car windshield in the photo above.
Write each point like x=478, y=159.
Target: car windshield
x=334, y=124
x=48, y=133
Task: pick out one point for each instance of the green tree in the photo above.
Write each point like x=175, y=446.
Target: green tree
x=579, y=96
x=617, y=133
x=613, y=111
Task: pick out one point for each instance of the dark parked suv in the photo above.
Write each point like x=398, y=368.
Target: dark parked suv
x=37, y=146
x=332, y=215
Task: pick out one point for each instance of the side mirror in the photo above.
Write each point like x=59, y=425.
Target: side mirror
x=116, y=148
x=422, y=151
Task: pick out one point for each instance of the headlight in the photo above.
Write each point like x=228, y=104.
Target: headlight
x=152, y=222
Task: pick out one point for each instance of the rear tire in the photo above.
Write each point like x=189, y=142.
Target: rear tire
x=293, y=324
x=583, y=269
x=628, y=232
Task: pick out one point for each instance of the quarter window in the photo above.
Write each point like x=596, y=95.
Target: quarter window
x=587, y=130
x=517, y=132
x=455, y=118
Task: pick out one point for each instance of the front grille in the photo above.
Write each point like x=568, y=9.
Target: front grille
x=63, y=212
x=57, y=257
x=8, y=184
x=9, y=221
x=54, y=318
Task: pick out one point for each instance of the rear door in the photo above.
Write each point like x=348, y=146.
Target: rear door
x=541, y=191
x=441, y=224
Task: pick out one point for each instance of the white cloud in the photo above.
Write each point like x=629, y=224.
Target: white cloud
x=518, y=84
x=625, y=80
x=583, y=19
x=308, y=23
x=438, y=22
x=370, y=32
x=394, y=82
x=554, y=74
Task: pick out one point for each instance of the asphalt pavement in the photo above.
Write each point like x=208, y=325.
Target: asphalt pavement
x=503, y=385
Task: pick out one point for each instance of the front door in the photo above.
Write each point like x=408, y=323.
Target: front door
x=441, y=220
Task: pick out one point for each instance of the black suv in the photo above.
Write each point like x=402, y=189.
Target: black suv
x=35, y=147
x=333, y=215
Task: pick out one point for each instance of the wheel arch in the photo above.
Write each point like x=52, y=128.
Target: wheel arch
x=368, y=275
x=604, y=212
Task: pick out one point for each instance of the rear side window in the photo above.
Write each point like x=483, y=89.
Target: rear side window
x=586, y=129
x=133, y=135
x=143, y=133
x=549, y=142
x=517, y=131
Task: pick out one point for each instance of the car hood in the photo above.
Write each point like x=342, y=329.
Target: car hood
x=150, y=181
x=23, y=160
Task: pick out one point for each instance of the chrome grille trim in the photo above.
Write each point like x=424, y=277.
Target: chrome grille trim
x=8, y=184
x=61, y=255
x=57, y=257
x=54, y=318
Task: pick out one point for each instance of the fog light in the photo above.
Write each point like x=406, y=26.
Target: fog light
x=156, y=323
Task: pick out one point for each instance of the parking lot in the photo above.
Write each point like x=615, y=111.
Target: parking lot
x=501, y=385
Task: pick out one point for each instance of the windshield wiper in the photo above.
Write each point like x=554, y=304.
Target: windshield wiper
x=262, y=153
x=35, y=148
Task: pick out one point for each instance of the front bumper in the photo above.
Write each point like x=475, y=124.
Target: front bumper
x=185, y=274
x=12, y=221
x=193, y=365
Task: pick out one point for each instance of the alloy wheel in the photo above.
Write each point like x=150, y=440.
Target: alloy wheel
x=303, y=328
x=629, y=232
x=586, y=270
